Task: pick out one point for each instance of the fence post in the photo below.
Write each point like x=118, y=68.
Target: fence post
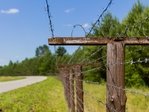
x=72, y=99
x=67, y=83
x=79, y=88
x=116, y=98
x=64, y=75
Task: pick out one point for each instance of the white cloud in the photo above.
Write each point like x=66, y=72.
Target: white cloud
x=69, y=10
x=86, y=25
x=10, y=11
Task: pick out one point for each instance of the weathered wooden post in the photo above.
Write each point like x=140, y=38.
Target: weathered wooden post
x=72, y=99
x=116, y=98
x=64, y=76
x=79, y=88
x=67, y=83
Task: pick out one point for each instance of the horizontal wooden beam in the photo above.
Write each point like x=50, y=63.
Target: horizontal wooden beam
x=137, y=41
x=97, y=41
x=76, y=41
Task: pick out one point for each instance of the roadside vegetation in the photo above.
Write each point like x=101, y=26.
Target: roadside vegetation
x=48, y=96
x=10, y=78
x=95, y=96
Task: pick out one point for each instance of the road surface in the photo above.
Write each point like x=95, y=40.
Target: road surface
x=11, y=85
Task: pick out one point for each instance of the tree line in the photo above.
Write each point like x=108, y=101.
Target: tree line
x=42, y=64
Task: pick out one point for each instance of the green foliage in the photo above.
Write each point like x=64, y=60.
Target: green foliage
x=97, y=58
x=61, y=51
x=135, y=24
x=140, y=15
x=42, y=50
x=42, y=64
x=109, y=27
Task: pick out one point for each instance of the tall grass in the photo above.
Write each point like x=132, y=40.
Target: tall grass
x=93, y=94
x=97, y=93
x=47, y=96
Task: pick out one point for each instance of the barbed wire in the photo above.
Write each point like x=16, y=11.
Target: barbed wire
x=101, y=15
x=75, y=26
x=51, y=29
x=133, y=91
x=49, y=17
x=73, y=55
x=146, y=60
x=78, y=25
x=92, y=54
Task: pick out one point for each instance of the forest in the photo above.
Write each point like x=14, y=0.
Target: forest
x=135, y=24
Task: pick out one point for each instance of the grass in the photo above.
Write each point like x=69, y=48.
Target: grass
x=138, y=103
x=10, y=78
x=93, y=93
x=47, y=96
x=97, y=93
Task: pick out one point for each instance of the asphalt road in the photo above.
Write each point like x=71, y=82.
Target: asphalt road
x=11, y=85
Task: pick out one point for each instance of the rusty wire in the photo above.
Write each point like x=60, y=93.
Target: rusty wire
x=146, y=60
x=78, y=25
x=100, y=16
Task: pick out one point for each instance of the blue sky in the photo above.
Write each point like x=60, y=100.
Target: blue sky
x=24, y=23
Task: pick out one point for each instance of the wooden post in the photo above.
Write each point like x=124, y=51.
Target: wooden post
x=67, y=82
x=72, y=97
x=79, y=89
x=64, y=76
x=116, y=98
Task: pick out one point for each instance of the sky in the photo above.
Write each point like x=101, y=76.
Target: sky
x=24, y=23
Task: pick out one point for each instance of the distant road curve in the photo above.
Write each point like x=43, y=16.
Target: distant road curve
x=11, y=85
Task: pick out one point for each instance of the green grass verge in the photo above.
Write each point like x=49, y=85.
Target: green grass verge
x=46, y=96
x=94, y=93
x=97, y=93
x=10, y=78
